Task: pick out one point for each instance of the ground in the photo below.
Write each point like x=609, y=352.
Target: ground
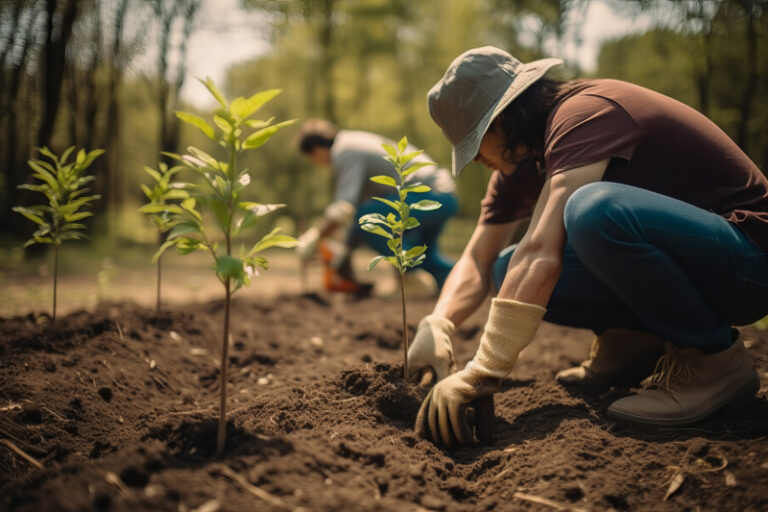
x=118, y=404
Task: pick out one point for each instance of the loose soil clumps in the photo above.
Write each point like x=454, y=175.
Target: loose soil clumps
x=119, y=406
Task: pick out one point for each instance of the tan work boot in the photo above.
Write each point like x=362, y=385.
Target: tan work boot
x=618, y=357
x=687, y=388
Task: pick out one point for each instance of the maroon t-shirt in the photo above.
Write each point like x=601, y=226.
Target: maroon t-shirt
x=654, y=142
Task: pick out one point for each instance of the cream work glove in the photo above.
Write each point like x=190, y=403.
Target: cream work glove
x=431, y=349
x=308, y=241
x=443, y=415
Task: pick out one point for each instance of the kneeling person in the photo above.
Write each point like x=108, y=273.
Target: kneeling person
x=355, y=157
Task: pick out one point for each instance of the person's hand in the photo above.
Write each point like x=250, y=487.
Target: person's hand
x=308, y=241
x=431, y=349
x=444, y=415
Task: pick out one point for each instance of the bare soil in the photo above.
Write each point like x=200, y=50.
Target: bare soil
x=119, y=406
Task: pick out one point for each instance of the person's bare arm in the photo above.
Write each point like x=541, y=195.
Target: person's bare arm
x=468, y=283
x=535, y=267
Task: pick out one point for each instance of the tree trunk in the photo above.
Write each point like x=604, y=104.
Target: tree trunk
x=52, y=64
x=742, y=135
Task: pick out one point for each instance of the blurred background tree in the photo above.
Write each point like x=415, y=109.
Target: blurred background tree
x=110, y=73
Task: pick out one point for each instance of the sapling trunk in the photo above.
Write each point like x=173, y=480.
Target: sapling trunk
x=159, y=273
x=55, y=278
x=405, y=327
x=222, y=434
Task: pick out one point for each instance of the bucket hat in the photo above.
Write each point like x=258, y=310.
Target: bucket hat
x=477, y=86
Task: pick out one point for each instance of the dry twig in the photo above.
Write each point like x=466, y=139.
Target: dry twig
x=546, y=501
x=256, y=491
x=21, y=453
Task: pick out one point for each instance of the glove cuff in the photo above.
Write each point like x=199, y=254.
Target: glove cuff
x=439, y=322
x=510, y=328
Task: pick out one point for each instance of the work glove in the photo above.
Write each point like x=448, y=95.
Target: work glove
x=443, y=414
x=308, y=241
x=431, y=349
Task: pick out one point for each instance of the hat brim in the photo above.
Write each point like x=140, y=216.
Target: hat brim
x=465, y=151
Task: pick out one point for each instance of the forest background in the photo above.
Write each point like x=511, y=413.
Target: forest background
x=109, y=74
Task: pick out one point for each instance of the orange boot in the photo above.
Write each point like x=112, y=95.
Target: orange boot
x=333, y=281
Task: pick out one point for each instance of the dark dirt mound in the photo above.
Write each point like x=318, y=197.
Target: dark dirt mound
x=119, y=406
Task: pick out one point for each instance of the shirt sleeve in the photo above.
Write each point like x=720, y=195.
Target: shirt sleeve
x=511, y=197
x=586, y=129
x=349, y=169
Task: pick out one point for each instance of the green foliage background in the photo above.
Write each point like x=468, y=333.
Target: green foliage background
x=367, y=64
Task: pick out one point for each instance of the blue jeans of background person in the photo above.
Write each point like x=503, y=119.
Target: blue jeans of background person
x=427, y=233
x=640, y=260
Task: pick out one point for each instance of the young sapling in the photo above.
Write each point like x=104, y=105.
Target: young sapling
x=394, y=225
x=63, y=184
x=162, y=193
x=220, y=187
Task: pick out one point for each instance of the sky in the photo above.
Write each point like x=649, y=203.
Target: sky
x=228, y=35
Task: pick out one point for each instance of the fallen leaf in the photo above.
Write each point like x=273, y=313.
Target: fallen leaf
x=730, y=480
x=674, y=484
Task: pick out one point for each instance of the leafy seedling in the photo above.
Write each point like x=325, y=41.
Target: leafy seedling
x=64, y=185
x=162, y=194
x=394, y=225
x=219, y=186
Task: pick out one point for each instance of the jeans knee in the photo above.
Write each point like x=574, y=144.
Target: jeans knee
x=593, y=211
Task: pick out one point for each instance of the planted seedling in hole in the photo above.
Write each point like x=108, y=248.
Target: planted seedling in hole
x=220, y=185
x=64, y=185
x=394, y=225
x=162, y=193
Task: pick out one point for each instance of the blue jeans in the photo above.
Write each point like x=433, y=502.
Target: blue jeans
x=427, y=233
x=641, y=260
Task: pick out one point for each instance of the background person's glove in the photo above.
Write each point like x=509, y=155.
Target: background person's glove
x=431, y=349
x=443, y=415
x=308, y=241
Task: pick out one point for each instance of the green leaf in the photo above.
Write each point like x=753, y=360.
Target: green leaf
x=68, y=151
x=208, y=83
x=205, y=157
x=387, y=202
x=77, y=216
x=411, y=223
x=257, y=124
x=197, y=122
x=44, y=175
x=376, y=230
x=147, y=191
x=415, y=167
x=245, y=108
x=188, y=245
x=426, y=205
x=402, y=144
x=159, y=207
x=416, y=251
x=31, y=215
x=259, y=209
x=221, y=212
x=391, y=151
x=260, y=137
x=163, y=248
x=385, y=180
x=373, y=218
x=229, y=267
x=416, y=188
x=183, y=228
x=404, y=159
x=374, y=261
x=272, y=239
x=155, y=175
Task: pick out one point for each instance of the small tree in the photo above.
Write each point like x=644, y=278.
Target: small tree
x=64, y=185
x=220, y=187
x=160, y=196
x=394, y=225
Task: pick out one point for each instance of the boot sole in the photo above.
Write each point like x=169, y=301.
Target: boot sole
x=746, y=391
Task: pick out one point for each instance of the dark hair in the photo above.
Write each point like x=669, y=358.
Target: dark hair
x=316, y=133
x=524, y=120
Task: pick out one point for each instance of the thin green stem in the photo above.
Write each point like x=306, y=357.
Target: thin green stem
x=405, y=327
x=221, y=438
x=55, y=278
